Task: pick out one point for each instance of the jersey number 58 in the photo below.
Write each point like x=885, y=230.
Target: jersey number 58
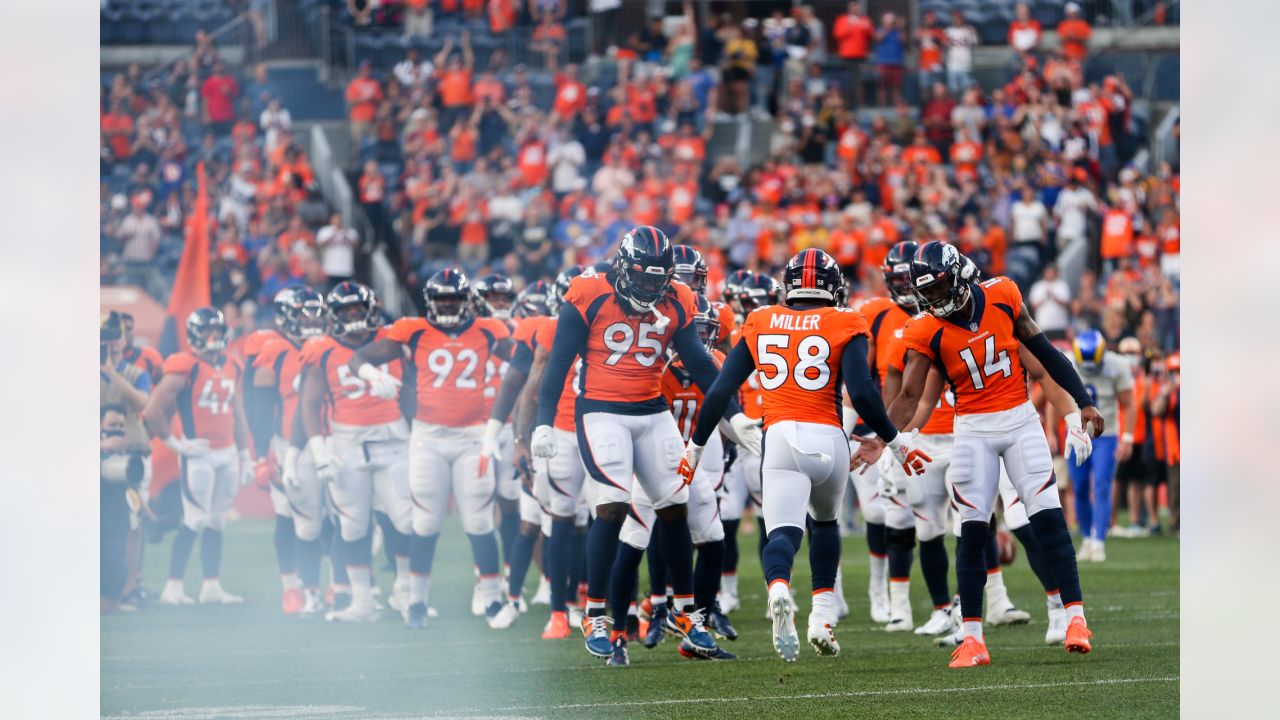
x=811, y=371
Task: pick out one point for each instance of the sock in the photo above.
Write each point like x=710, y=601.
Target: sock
x=677, y=553
x=1035, y=556
x=971, y=575
x=307, y=554
x=284, y=539
x=706, y=574
x=901, y=550
x=973, y=629
x=210, y=553
x=991, y=551
x=824, y=553
x=390, y=542
x=577, y=563
x=780, y=553
x=422, y=553
x=762, y=538
x=729, y=583
x=402, y=565
x=935, y=565
x=556, y=555
x=484, y=550
x=509, y=530
x=1050, y=527
x=657, y=568
x=824, y=605
x=182, y=545
x=1053, y=600
x=879, y=557
x=899, y=593
x=622, y=582
x=1075, y=610
x=337, y=565
x=730, y=564
x=602, y=547
x=520, y=557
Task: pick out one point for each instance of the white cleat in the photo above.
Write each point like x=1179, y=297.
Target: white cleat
x=785, y=639
x=505, y=617
x=1057, y=632
x=173, y=594
x=1099, y=551
x=952, y=640
x=879, y=605
x=399, y=598
x=1085, y=553
x=312, y=602
x=939, y=623
x=575, y=616
x=543, y=594
x=728, y=602
x=1006, y=614
x=477, y=601
x=842, y=605
x=822, y=637
x=356, y=612
x=521, y=605
x=900, y=619
x=211, y=593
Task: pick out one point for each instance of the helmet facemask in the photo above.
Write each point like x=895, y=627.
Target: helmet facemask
x=448, y=310
x=941, y=295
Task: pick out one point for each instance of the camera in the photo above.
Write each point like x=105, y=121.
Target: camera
x=112, y=329
x=122, y=468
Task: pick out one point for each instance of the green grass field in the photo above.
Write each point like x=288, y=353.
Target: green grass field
x=250, y=661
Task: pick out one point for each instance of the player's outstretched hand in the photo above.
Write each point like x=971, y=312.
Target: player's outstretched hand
x=543, y=443
x=689, y=462
x=382, y=384
x=1079, y=443
x=748, y=432
x=867, y=454
x=1093, y=422
x=904, y=449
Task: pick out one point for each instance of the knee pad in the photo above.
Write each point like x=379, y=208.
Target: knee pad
x=791, y=534
x=897, y=517
x=352, y=530
x=479, y=522
x=927, y=530
x=425, y=524
x=900, y=538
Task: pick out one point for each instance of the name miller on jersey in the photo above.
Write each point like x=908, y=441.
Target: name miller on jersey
x=782, y=321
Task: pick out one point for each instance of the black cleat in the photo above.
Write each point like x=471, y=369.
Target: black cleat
x=719, y=624
x=619, y=658
x=657, y=619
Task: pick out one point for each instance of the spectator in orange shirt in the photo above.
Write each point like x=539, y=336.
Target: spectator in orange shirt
x=853, y=34
x=548, y=38
x=1074, y=32
x=502, y=15
x=571, y=95
x=920, y=151
x=1024, y=31
x=1117, y=237
x=117, y=133
x=364, y=92
x=454, y=83
x=930, y=40
x=965, y=156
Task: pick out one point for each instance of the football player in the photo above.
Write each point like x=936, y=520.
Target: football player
x=200, y=384
x=449, y=350
x=361, y=452
x=277, y=366
x=494, y=296
x=971, y=332
x=621, y=323
x=1108, y=378
x=802, y=351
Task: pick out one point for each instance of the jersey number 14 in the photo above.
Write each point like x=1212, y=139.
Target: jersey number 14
x=993, y=364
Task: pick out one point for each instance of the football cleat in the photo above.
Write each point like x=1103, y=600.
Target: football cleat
x=416, y=616
x=521, y=606
x=596, y=628
x=501, y=615
x=951, y=640
x=1099, y=551
x=689, y=625
x=341, y=599
x=728, y=602
x=686, y=650
x=971, y=653
x=794, y=608
x=1005, y=613
x=842, y=605
x=823, y=638
x=879, y=604
x=645, y=609
x=356, y=612
x=900, y=619
x=720, y=625
x=173, y=594
x=1085, y=553
x=557, y=627
x=399, y=596
x=478, y=605
x=312, y=603
x=292, y=601
x=618, y=653
x=1057, y=632
x=633, y=628
x=576, y=618
x=657, y=621
x=543, y=594
x=785, y=639
x=940, y=622
x=211, y=592
x=1078, y=635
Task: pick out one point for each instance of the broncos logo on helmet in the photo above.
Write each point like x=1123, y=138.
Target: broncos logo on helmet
x=645, y=267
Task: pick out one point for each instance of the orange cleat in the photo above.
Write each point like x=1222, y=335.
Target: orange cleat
x=557, y=627
x=1078, y=635
x=293, y=601
x=645, y=609
x=971, y=653
x=644, y=628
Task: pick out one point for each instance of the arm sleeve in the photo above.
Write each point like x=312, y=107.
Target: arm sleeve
x=1059, y=368
x=260, y=406
x=522, y=360
x=737, y=367
x=862, y=390
x=698, y=363
x=571, y=340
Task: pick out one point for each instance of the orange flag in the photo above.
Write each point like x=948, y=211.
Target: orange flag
x=191, y=283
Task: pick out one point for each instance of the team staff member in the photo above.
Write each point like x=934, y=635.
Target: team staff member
x=200, y=385
x=126, y=384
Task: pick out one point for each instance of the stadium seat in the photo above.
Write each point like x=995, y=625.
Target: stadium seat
x=994, y=31
x=1168, y=78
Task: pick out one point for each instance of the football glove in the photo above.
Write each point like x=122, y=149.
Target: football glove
x=886, y=487
x=382, y=384
x=265, y=471
x=543, y=443
x=326, y=464
x=290, y=471
x=911, y=458
x=188, y=448
x=489, y=449
x=1078, y=441
x=747, y=432
x=689, y=462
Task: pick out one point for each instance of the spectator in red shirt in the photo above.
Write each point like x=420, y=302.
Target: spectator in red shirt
x=220, y=91
x=1024, y=31
x=854, y=32
x=936, y=117
x=548, y=38
x=571, y=95
x=117, y=133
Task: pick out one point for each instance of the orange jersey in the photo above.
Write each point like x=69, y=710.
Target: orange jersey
x=450, y=367
x=797, y=355
x=728, y=323
x=565, y=420
x=942, y=419
x=285, y=359
x=146, y=358
x=978, y=357
x=884, y=318
x=495, y=370
x=206, y=403
x=750, y=396
x=349, y=400
x=683, y=394
x=625, y=351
